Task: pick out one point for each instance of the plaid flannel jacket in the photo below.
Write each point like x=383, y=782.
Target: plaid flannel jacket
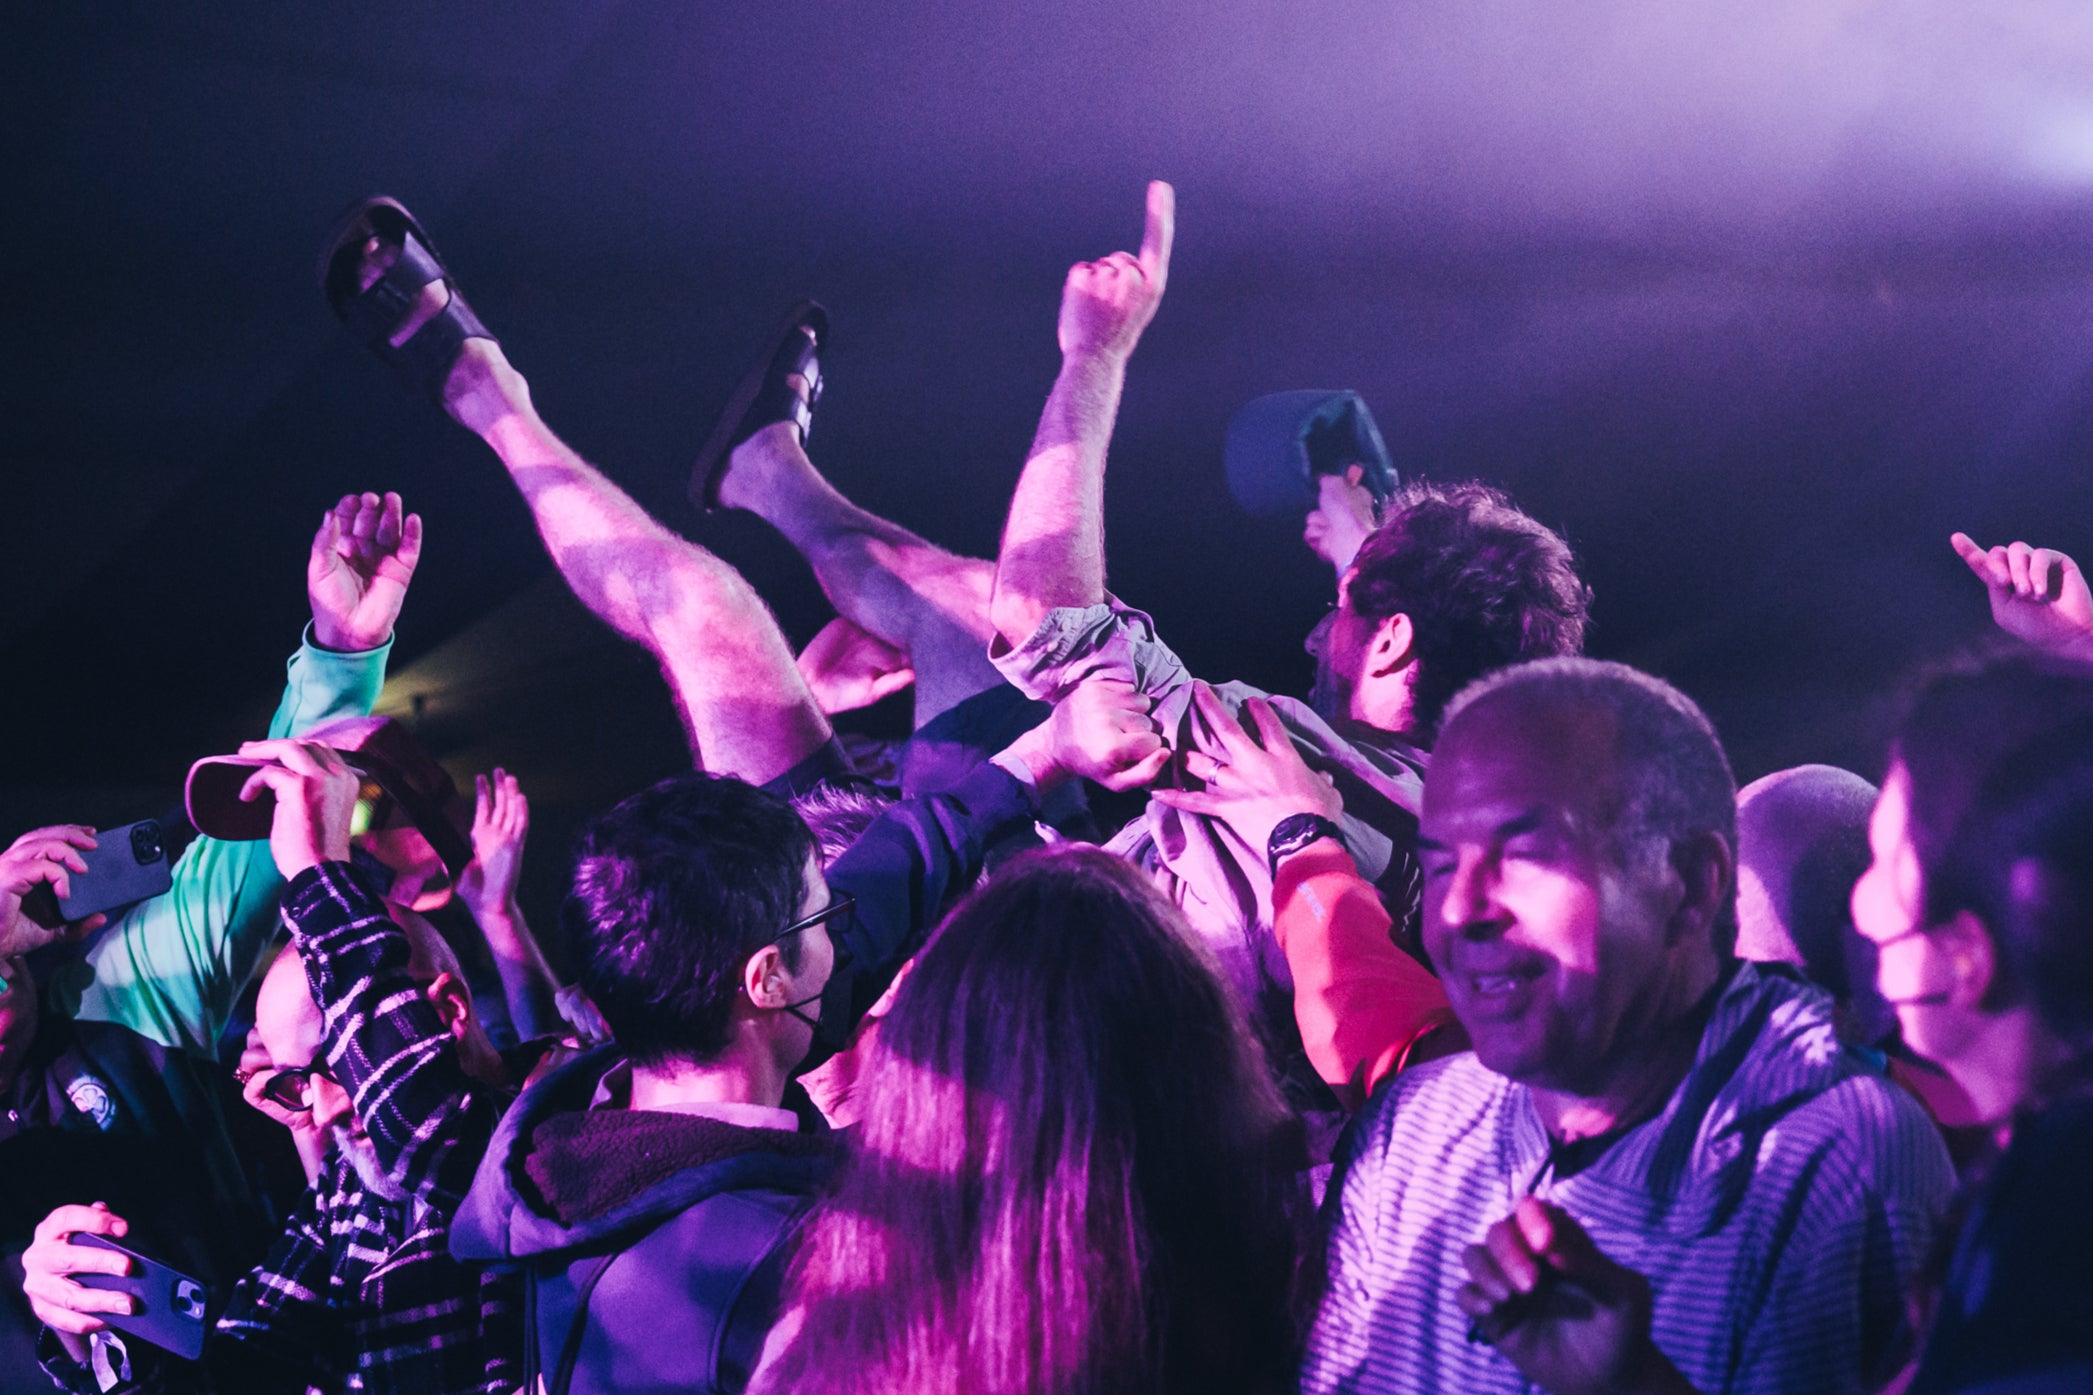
x=360, y=1293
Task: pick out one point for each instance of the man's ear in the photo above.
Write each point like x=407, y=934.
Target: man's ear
x=452, y=1000
x=1706, y=867
x=1355, y=475
x=1394, y=647
x=763, y=978
x=1973, y=964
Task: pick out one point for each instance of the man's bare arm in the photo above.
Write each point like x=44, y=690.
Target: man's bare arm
x=1053, y=551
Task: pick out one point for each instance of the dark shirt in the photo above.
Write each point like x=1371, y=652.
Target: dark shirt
x=101, y=1113
x=2018, y=1301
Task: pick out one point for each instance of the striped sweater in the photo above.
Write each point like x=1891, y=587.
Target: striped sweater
x=1779, y=1206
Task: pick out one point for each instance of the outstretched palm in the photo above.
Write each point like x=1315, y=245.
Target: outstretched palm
x=362, y=560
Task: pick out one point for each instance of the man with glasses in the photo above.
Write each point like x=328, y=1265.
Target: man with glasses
x=360, y=1290
x=649, y=1189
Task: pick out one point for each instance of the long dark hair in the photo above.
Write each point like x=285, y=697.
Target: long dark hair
x=1075, y=1174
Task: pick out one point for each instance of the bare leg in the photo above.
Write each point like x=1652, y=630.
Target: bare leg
x=745, y=707
x=919, y=598
x=744, y=704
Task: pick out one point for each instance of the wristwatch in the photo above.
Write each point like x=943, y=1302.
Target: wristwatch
x=1295, y=832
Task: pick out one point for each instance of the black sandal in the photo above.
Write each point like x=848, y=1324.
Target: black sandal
x=373, y=315
x=764, y=397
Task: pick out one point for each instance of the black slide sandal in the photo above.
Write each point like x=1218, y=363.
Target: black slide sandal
x=764, y=397
x=424, y=361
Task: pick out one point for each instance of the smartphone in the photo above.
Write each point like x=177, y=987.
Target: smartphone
x=126, y=864
x=170, y=1304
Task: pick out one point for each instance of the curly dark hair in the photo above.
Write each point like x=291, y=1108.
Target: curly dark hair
x=1483, y=583
x=673, y=890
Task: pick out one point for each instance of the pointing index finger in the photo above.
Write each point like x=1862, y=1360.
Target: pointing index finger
x=1978, y=560
x=1160, y=232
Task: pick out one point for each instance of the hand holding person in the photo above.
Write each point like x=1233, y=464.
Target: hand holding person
x=1103, y=730
x=1106, y=304
x=1253, y=783
x=362, y=560
x=2037, y=594
x=41, y=857
x=846, y=668
x=315, y=802
x=1572, y=1320
x=60, y=1303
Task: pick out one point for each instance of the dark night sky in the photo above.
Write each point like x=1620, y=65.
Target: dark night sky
x=1756, y=302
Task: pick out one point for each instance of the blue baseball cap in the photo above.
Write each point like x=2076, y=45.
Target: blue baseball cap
x=1279, y=443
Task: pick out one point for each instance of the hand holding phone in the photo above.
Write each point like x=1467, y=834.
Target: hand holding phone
x=100, y=873
x=78, y=1280
x=167, y=1306
x=32, y=866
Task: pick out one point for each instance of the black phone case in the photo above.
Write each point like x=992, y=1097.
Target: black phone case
x=126, y=864
x=171, y=1305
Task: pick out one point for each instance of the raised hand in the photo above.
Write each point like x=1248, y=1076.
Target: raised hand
x=1106, y=304
x=2037, y=594
x=847, y=668
x=501, y=820
x=1569, y=1318
x=41, y=857
x=315, y=802
x=1253, y=783
x=362, y=560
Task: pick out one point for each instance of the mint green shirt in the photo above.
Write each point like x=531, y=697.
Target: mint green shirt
x=171, y=968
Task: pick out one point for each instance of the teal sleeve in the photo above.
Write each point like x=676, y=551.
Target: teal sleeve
x=171, y=968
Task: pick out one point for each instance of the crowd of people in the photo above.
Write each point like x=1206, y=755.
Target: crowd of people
x=1457, y=1027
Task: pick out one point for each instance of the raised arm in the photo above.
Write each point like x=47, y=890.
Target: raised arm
x=501, y=820
x=172, y=967
x=921, y=853
x=1053, y=551
x=387, y=1043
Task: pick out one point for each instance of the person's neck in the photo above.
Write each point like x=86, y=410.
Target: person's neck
x=1637, y=1084
x=1386, y=706
x=479, y=1059
x=2001, y=1065
x=740, y=1075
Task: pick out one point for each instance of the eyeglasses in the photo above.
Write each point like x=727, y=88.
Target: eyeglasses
x=839, y=906
x=291, y=1086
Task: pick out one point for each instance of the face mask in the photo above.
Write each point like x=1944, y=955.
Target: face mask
x=1933, y=999
x=832, y=1020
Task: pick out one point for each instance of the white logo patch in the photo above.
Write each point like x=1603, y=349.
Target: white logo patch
x=91, y=1097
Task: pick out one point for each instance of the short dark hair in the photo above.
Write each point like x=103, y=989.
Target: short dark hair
x=1483, y=583
x=839, y=815
x=673, y=890
x=1675, y=778
x=1999, y=754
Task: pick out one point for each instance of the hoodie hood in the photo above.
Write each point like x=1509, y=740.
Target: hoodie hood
x=559, y=1175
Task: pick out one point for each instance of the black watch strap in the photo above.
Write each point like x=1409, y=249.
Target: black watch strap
x=1295, y=832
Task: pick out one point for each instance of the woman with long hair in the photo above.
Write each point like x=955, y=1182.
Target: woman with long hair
x=1979, y=900
x=1073, y=1175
